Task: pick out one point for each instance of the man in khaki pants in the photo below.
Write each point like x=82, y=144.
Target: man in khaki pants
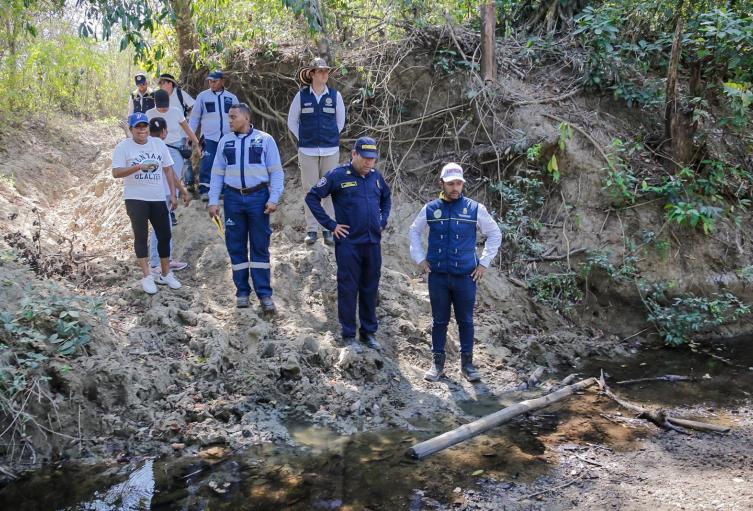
x=316, y=118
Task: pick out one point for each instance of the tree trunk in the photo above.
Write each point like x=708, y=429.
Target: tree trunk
x=679, y=126
x=188, y=43
x=488, y=51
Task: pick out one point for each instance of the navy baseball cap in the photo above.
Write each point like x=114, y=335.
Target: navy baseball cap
x=140, y=78
x=216, y=75
x=137, y=118
x=366, y=147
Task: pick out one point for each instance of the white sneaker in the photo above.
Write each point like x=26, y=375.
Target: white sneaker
x=170, y=280
x=148, y=284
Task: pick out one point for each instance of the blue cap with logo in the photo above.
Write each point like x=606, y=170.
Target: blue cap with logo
x=140, y=78
x=216, y=75
x=137, y=118
x=366, y=147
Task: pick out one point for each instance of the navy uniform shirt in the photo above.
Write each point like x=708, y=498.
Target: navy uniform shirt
x=361, y=202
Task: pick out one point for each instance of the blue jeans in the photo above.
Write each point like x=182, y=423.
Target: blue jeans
x=359, y=267
x=153, y=256
x=456, y=291
x=246, y=223
x=205, y=175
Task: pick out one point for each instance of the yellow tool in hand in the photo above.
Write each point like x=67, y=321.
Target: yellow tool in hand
x=220, y=227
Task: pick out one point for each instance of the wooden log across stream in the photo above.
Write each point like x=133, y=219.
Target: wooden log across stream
x=466, y=431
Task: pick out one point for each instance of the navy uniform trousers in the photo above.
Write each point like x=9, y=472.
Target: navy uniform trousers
x=247, y=226
x=359, y=268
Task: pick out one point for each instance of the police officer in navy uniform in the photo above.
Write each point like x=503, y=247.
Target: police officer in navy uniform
x=210, y=112
x=142, y=99
x=362, y=202
x=453, y=265
x=248, y=170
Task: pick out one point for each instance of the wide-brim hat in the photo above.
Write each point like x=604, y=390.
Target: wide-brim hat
x=304, y=75
x=168, y=78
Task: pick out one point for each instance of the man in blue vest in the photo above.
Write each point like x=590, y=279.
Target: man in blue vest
x=211, y=113
x=142, y=99
x=362, y=202
x=316, y=118
x=452, y=264
x=247, y=169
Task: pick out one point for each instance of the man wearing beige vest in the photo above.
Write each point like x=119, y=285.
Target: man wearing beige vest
x=316, y=118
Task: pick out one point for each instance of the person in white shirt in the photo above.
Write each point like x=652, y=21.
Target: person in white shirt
x=452, y=264
x=177, y=128
x=183, y=101
x=316, y=118
x=140, y=161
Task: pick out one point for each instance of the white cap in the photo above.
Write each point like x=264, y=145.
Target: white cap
x=452, y=172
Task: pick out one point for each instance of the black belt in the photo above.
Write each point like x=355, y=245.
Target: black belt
x=247, y=191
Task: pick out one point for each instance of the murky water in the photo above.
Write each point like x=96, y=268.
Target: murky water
x=370, y=470
x=363, y=471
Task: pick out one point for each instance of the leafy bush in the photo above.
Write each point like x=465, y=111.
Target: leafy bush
x=680, y=318
x=561, y=291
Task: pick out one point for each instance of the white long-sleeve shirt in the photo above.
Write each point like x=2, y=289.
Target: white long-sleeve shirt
x=294, y=121
x=485, y=222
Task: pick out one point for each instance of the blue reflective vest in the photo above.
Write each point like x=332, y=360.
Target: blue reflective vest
x=318, y=120
x=452, y=236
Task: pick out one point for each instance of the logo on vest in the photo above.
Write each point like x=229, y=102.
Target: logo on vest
x=322, y=182
x=328, y=101
x=465, y=211
x=437, y=213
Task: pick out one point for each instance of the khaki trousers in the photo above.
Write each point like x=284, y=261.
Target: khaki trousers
x=313, y=168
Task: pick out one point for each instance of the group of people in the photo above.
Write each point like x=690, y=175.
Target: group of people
x=350, y=203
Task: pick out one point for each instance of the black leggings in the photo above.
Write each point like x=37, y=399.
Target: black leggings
x=142, y=212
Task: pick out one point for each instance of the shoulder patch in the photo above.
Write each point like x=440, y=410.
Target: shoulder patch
x=322, y=182
x=437, y=213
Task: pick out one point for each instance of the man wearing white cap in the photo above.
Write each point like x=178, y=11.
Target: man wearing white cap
x=316, y=118
x=453, y=265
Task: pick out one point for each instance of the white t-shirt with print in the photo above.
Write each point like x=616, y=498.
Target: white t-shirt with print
x=146, y=185
x=173, y=117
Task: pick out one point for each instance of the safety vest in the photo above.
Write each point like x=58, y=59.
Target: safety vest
x=318, y=127
x=452, y=236
x=142, y=103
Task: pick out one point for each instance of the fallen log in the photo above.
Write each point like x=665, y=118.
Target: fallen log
x=659, y=416
x=667, y=377
x=457, y=435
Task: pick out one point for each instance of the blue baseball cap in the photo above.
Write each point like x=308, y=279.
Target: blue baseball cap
x=137, y=118
x=216, y=75
x=366, y=147
x=140, y=78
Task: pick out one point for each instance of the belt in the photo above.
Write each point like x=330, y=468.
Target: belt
x=248, y=191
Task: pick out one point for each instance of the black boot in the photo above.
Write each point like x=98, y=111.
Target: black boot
x=437, y=370
x=370, y=340
x=466, y=368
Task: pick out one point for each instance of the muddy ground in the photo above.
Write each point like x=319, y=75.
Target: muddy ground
x=180, y=371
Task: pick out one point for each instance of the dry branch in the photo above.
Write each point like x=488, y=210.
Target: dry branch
x=666, y=377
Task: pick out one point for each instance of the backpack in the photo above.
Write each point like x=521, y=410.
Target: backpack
x=180, y=100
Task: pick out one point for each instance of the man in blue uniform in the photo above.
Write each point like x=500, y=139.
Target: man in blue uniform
x=247, y=169
x=452, y=264
x=362, y=202
x=211, y=113
x=316, y=118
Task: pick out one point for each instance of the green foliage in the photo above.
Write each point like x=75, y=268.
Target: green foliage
x=625, y=272
x=53, y=324
x=620, y=182
x=519, y=197
x=449, y=62
x=682, y=317
x=740, y=98
x=560, y=290
x=533, y=153
x=693, y=215
x=746, y=274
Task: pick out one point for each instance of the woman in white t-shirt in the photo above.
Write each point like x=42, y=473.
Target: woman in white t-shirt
x=139, y=161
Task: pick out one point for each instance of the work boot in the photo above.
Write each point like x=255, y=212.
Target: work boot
x=349, y=342
x=242, y=302
x=327, y=235
x=310, y=238
x=437, y=369
x=268, y=305
x=466, y=368
x=369, y=339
